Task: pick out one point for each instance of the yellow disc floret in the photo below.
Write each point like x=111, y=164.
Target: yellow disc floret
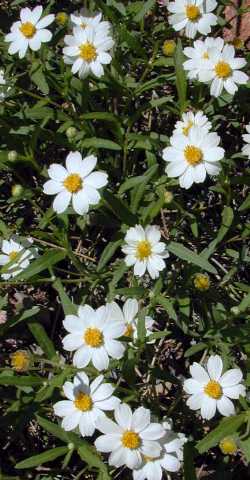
x=83, y=402
x=131, y=440
x=20, y=361
x=169, y=47
x=223, y=69
x=228, y=446
x=13, y=255
x=193, y=155
x=62, y=18
x=88, y=52
x=28, y=29
x=238, y=43
x=129, y=331
x=143, y=250
x=201, y=281
x=193, y=12
x=213, y=389
x=93, y=337
x=73, y=183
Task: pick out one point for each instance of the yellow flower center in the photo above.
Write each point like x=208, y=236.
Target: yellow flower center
x=61, y=18
x=129, y=331
x=201, y=281
x=73, y=183
x=13, y=255
x=168, y=47
x=228, y=446
x=193, y=155
x=223, y=70
x=93, y=337
x=131, y=440
x=238, y=43
x=192, y=12
x=186, y=129
x=88, y=52
x=205, y=56
x=20, y=361
x=83, y=25
x=144, y=250
x=28, y=29
x=213, y=389
x=83, y=402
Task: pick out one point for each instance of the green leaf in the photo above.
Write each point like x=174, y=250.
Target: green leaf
x=141, y=188
x=181, y=81
x=108, y=253
x=119, y=208
x=24, y=381
x=37, y=76
x=245, y=446
x=228, y=426
x=185, y=254
x=227, y=219
x=195, y=349
x=68, y=307
x=245, y=205
x=146, y=6
x=167, y=305
x=95, y=142
x=42, y=339
x=42, y=458
x=189, y=467
x=48, y=259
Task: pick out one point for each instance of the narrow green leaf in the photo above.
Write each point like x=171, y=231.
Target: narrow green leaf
x=68, y=307
x=185, y=254
x=181, y=81
x=95, y=142
x=49, y=258
x=42, y=339
x=189, y=467
x=119, y=208
x=146, y=6
x=195, y=349
x=227, y=219
x=245, y=205
x=245, y=446
x=167, y=304
x=139, y=191
x=227, y=426
x=108, y=253
x=24, y=381
x=42, y=458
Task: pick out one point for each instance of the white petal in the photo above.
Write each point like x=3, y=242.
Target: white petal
x=68, y=389
x=103, y=391
x=74, y=162
x=71, y=421
x=170, y=463
x=97, y=179
x=80, y=202
x=191, y=386
x=61, y=201
x=72, y=342
x=82, y=357
x=64, y=408
x=73, y=324
x=51, y=187
x=45, y=21
x=118, y=457
x=115, y=349
x=107, y=443
x=57, y=172
x=140, y=268
x=208, y=408
x=141, y=419
x=231, y=377
x=100, y=359
x=214, y=367
x=154, y=431
x=235, y=391
x=199, y=373
x=123, y=416
x=86, y=425
x=107, y=426
x=225, y=406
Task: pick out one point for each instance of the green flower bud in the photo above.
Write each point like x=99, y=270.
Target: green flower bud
x=71, y=132
x=62, y=18
x=16, y=190
x=12, y=155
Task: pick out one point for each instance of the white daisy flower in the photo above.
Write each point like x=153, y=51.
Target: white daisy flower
x=246, y=138
x=193, y=15
x=76, y=182
x=192, y=156
x=224, y=72
x=189, y=119
x=200, y=56
x=87, y=51
x=130, y=438
x=93, y=337
x=128, y=315
x=84, y=19
x=144, y=250
x=210, y=390
x=86, y=403
x=30, y=31
x=17, y=255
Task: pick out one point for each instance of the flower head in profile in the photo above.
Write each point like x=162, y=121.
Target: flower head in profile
x=93, y=337
x=210, y=390
x=30, y=31
x=84, y=19
x=130, y=438
x=77, y=183
x=85, y=403
x=144, y=250
x=246, y=138
x=191, y=157
x=192, y=15
x=189, y=119
x=128, y=315
x=199, y=56
x=16, y=257
x=87, y=51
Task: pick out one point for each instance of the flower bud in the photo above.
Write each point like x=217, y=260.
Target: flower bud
x=71, y=132
x=168, y=196
x=169, y=47
x=201, y=281
x=16, y=190
x=12, y=155
x=228, y=446
x=62, y=19
x=20, y=361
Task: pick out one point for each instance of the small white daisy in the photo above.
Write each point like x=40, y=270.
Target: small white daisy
x=144, y=250
x=128, y=315
x=84, y=19
x=189, y=119
x=192, y=156
x=87, y=51
x=130, y=438
x=193, y=15
x=246, y=138
x=224, y=72
x=93, y=337
x=76, y=182
x=86, y=403
x=30, y=31
x=200, y=56
x=18, y=255
x=210, y=390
